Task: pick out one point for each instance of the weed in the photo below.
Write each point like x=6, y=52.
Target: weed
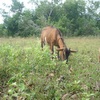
x=27, y=72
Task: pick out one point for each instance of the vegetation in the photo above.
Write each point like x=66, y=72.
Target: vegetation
x=28, y=73
x=72, y=17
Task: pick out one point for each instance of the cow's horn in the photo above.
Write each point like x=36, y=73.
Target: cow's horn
x=60, y=49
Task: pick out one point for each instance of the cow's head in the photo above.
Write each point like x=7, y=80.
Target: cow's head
x=64, y=53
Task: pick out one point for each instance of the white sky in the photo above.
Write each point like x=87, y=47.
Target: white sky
x=26, y=4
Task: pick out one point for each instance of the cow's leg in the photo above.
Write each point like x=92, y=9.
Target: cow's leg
x=52, y=49
x=61, y=55
x=58, y=55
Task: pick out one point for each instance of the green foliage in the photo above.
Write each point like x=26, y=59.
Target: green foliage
x=72, y=17
x=17, y=6
x=27, y=72
x=65, y=26
x=11, y=24
x=1, y=30
x=26, y=25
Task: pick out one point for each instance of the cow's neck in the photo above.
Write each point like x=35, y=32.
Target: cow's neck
x=61, y=43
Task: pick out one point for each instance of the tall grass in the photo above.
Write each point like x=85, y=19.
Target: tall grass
x=28, y=73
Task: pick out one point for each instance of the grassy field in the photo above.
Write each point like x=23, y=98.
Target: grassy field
x=27, y=73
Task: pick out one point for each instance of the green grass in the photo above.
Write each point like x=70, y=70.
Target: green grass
x=28, y=73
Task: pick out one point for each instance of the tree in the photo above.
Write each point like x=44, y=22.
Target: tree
x=72, y=17
x=11, y=22
x=26, y=26
x=46, y=13
x=17, y=7
x=74, y=10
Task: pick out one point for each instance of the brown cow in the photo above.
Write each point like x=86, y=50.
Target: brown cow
x=53, y=38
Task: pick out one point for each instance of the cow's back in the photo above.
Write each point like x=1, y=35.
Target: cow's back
x=50, y=34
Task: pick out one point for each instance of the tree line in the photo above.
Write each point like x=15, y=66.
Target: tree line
x=72, y=17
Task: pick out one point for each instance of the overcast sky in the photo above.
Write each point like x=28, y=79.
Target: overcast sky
x=26, y=4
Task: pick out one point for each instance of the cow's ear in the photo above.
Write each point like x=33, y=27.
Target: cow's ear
x=60, y=49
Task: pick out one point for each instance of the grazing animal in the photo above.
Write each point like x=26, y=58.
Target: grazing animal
x=52, y=36
x=99, y=55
